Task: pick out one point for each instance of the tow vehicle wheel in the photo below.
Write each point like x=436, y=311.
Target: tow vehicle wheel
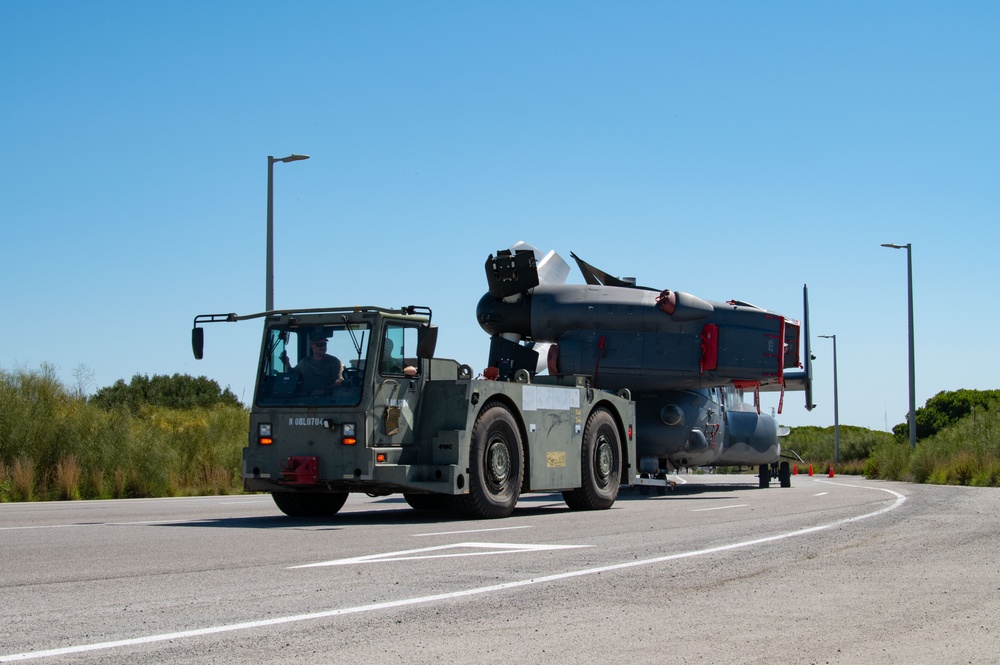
x=764, y=475
x=496, y=465
x=309, y=504
x=785, y=475
x=601, y=459
x=428, y=501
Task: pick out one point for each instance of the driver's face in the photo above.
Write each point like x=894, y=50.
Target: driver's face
x=319, y=348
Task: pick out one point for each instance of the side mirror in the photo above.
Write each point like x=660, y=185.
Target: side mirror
x=198, y=342
x=427, y=338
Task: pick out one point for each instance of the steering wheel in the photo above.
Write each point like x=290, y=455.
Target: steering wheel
x=352, y=376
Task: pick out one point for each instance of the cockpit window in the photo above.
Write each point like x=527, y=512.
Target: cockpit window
x=312, y=365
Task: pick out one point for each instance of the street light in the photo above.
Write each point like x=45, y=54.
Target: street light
x=269, y=286
x=836, y=404
x=912, y=417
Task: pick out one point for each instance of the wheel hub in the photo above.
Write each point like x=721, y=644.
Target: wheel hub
x=603, y=461
x=498, y=462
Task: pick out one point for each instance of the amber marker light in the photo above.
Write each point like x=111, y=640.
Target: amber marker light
x=380, y=458
x=348, y=437
x=264, y=434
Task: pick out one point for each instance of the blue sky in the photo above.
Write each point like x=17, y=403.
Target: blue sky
x=727, y=149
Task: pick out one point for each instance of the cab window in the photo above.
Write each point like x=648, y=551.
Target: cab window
x=398, y=355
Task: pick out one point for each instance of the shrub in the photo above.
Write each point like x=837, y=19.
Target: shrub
x=180, y=391
x=54, y=445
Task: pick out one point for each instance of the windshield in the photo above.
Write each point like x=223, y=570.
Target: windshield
x=312, y=365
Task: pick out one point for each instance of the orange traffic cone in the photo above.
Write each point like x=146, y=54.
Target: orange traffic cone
x=795, y=469
x=831, y=471
x=810, y=469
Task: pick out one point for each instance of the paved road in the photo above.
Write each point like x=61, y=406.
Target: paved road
x=840, y=570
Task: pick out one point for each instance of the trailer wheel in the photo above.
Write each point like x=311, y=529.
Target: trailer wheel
x=428, y=501
x=601, y=459
x=309, y=504
x=496, y=465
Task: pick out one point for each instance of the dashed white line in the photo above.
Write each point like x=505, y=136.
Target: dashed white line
x=452, y=533
x=738, y=505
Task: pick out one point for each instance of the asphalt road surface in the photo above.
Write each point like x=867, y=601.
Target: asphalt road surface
x=841, y=570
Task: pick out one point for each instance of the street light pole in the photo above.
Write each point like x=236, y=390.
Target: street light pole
x=912, y=418
x=836, y=403
x=269, y=267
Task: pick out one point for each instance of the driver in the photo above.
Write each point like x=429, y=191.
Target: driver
x=320, y=372
x=394, y=365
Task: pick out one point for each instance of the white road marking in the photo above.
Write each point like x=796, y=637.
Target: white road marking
x=821, y=494
x=738, y=505
x=422, y=553
x=452, y=533
x=263, y=623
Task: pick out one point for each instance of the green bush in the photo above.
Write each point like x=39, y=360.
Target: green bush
x=945, y=409
x=56, y=445
x=965, y=452
x=180, y=391
x=816, y=445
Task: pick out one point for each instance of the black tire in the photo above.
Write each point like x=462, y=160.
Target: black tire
x=496, y=465
x=784, y=475
x=428, y=501
x=764, y=476
x=309, y=504
x=601, y=459
x=661, y=490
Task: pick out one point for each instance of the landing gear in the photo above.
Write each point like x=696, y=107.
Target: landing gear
x=780, y=471
x=763, y=476
x=784, y=475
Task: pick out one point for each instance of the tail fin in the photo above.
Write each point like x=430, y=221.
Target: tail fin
x=803, y=379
